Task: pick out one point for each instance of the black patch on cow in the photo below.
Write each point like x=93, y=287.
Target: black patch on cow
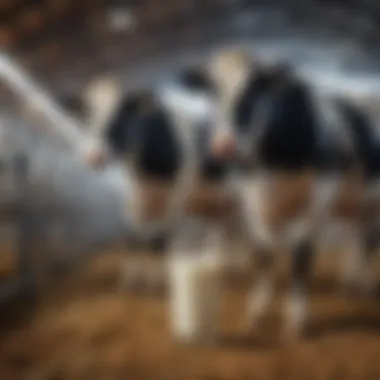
x=147, y=134
x=160, y=152
x=120, y=129
x=259, y=84
x=289, y=137
x=333, y=156
x=366, y=143
x=196, y=79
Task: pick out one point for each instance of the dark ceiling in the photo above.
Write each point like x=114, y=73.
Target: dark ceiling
x=58, y=39
x=70, y=34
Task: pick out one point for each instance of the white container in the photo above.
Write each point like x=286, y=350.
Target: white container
x=195, y=271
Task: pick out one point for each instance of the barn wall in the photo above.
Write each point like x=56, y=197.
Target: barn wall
x=66, y=42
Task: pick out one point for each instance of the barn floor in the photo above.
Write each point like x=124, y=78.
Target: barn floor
x=89, y=330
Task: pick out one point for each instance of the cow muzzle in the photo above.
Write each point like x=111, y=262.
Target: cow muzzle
x=224, y=147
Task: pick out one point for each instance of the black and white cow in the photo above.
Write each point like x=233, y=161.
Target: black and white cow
x=162, y=137
x=291, y=142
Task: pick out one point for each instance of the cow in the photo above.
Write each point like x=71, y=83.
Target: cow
x=290, y=140
x=361, y=198
x=161, y=136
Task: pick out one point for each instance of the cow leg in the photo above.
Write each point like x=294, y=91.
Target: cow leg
x=235, y=246
x=368, y=281
x=262, y=291
x=296, y=302
x=264, y=240
x=353, y=256
x=156, y=275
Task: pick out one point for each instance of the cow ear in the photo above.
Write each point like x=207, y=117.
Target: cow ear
x=102, y=96
x=278, y=75
x=197, y=77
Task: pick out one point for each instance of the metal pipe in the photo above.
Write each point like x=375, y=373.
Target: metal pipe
x=59, y=122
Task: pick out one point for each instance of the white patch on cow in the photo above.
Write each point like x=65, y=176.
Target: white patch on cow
x=252, y=191
x=133, y=200
x=229, y=70
x=102, y=97
x=260, y=298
